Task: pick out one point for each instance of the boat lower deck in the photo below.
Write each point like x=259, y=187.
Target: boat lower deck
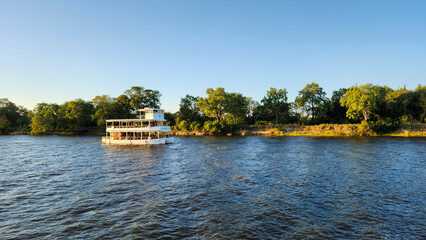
x=137, y=142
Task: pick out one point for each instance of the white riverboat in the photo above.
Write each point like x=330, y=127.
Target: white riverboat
x=148, y=129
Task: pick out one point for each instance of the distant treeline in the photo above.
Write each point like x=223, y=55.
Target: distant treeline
x=379, y=108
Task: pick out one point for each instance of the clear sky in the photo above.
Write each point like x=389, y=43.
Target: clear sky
x=56, y=51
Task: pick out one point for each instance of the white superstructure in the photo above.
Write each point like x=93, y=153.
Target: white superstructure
x=148, y=129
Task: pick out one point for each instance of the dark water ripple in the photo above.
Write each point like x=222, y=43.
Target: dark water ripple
x=213, y=188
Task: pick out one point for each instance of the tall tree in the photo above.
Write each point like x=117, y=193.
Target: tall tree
x=9, y=111
x=214, y=105
x=311, y=97
x=237, y=109
x=44, y=118
x=275, y=102
x=104, y=109
x=75, y=115
x=366, y=100
x=337, y=113
x=188, y=109
x=141, y=98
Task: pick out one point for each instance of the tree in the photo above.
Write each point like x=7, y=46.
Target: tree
x=311, y=97
x=420, y=94
x=214, y=105
x=229, y=110
x=9, y=110
x=236, y=109
x=12, y=117
x=337, y=112
x=188, y=109
x=140, y=98
x=366, y=101
x=4, y=125
x=44, y=118
x=75, y=115
x=275, y=103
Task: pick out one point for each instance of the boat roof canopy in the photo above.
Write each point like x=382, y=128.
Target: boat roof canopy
x=130, y=120
x=151, y=109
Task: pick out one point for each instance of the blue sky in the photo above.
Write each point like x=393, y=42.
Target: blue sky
x=56, y=51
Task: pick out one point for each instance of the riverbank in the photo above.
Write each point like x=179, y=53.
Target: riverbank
x=405, y=130
x=326, y=130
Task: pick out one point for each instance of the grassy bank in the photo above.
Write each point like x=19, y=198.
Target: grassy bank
x=405, y=130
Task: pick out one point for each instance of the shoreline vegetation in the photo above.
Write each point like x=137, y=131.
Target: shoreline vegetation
x=322, y=130
x=365, y=110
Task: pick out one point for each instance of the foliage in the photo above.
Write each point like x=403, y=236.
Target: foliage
x=194, y=126
x=311, y=98
x=188, y=109
x=380, y=108
x=229, y=110
x=171, y=119
x=4, y=125
x=213, y=126
x=275, y=103
x=337, y=112
x=262, y=123
x=12, y=117
x=105, y=108
x=363, y=101
x=237, y=109
x=214, y=105
x=75, y=116
x=383, y=126
x=44, y=118
x=140, y=98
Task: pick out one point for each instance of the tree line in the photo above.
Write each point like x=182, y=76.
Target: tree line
x=380, y=108
x=77, y=116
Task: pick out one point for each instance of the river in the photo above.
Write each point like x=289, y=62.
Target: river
x=213, y=188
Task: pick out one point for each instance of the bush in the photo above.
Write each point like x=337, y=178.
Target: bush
x=384, y=126
x=212, y=126
x=262, y=123
x=194, y=126
x=182, y=125
x=4, y=125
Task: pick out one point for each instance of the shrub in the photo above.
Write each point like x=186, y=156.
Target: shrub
x=262, y=123
x=182, y=125
x=212, y=126
x=194, y=126
x=383, y=126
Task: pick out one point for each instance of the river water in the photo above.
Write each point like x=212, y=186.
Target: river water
x=213, y=188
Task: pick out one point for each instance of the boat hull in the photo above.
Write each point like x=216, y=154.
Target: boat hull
x=138, y=142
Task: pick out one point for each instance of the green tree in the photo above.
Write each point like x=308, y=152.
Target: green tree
x=140, y=97
x=75, y=115
x=188, y=109
x=214, y=105
x=236, y=110
x=366, y=100
x=229, y=110
x=311, y=98
x=9, y=110
x=420, y=108
x=335, y=112
x=4, y=125
x=275, y=103
x=12, y=117
x=44, y=118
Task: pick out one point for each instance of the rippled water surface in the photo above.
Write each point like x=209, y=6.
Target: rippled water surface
x=213, y=188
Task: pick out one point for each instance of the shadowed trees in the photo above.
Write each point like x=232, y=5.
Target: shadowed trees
x=275, y=103
x=379, y=107
x=311, y=98
x=12, y=117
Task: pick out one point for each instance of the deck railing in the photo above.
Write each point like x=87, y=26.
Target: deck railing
x=160, y=128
